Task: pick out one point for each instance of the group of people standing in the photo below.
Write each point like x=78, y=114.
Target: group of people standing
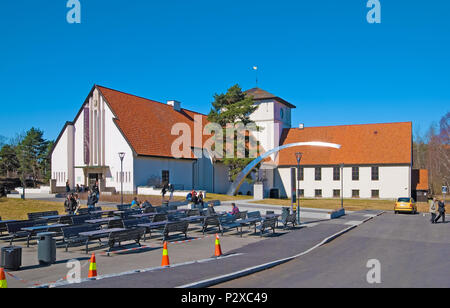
x=437, y=210
x=73, y=203
x=194, y=197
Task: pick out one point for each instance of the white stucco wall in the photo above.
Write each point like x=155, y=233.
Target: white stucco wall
x=114, y=144
x=180, y=171
x=394, y=182
x=62, y=158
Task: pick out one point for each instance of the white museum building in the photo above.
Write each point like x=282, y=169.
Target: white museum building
x=376, y=158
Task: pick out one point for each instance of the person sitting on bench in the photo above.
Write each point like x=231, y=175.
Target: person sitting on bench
x=234, y=210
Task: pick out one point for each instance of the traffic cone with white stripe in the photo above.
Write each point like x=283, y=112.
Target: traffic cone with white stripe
x=92, y=267
x=165, y=258
x=218, y=250
x=3, y=283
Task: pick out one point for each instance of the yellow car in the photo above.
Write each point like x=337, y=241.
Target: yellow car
x=405, y=205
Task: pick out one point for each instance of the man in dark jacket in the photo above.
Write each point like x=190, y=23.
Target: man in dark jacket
x=92, y=199
x=441, y=211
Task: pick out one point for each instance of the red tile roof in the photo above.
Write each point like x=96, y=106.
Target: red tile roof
x=389, y=143
x=147, y=124
x=420, y=179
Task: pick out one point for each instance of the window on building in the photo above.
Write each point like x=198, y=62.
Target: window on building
x=165, y=176
x=375, y=174
x=355, y=173
x=301, y=174
x=301, y=193
x=336, y=174
x=375, y=194
x=355, y=193
x=318, y=193
x=336, y=193
x=318, y=174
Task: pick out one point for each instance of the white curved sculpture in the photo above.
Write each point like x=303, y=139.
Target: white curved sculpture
x=241, y=176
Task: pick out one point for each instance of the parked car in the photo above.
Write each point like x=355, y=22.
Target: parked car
x=405, y=205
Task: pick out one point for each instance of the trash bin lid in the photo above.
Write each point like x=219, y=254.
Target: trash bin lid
x=11, y=248
x=45, y=233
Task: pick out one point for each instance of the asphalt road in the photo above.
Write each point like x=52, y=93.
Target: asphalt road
x=411, y=253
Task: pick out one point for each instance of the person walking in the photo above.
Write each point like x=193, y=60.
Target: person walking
x=163, y=192
x=171, y=190
x=441, y=210
x=433, y=209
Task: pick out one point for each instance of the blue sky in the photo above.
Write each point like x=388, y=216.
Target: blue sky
x=322, y=56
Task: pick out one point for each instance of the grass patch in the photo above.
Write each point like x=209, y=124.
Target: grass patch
x=18, y=209
x=349, y=204
x=220, y=197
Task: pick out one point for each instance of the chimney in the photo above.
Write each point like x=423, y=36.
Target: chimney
x=301, y=126
x=175, y=104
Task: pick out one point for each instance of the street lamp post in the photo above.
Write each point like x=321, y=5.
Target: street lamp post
x=298, y=156
x=342, y=186
x=121, y=156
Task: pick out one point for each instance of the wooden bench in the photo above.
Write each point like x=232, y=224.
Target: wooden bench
x=125, y=236
x=214, y=202
x=39, y=215
x=80, y=219
x=229, y=222
x=179, y=203
x=268, y=223
x=15, y=230
x=83, y=211
x=133, y=223
x=116, y=223
x=123, y=207
x=210, y=221
x=289, y=218
x=71, y=235
x=171, y=227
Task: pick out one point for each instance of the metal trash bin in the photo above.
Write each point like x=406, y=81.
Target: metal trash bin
x=46, y=248
x=11, y=257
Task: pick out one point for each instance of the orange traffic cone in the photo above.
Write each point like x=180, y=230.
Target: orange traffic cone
x=165, y=258
x=3, y=283
x=92, y=267
x=218, y=251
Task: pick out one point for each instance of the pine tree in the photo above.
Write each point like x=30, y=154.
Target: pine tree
x=8, y=160
x=31, y=153
x=231, y=108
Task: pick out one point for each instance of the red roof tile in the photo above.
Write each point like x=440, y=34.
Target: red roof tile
x=147, y=124
x=420, y=179
x=389, y=143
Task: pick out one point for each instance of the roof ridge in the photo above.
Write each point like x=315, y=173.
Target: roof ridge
x=148, y=99
x=342, y=125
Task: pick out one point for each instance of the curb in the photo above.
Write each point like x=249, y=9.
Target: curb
x=251, y=270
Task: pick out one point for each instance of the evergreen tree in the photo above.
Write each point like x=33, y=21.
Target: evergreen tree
x=8, y=160
x=31, y=153
x=231, y=108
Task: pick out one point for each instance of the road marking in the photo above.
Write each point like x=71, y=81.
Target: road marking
x=310, y=225
x=353, y=223
x=370, y=215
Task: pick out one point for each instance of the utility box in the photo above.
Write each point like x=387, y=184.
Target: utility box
x=46, y=248
x=11, y=257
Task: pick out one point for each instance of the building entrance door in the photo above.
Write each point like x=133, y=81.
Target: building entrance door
x=93, y=177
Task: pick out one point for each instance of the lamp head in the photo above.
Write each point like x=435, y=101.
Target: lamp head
x=121, y=155
x=298, y=156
